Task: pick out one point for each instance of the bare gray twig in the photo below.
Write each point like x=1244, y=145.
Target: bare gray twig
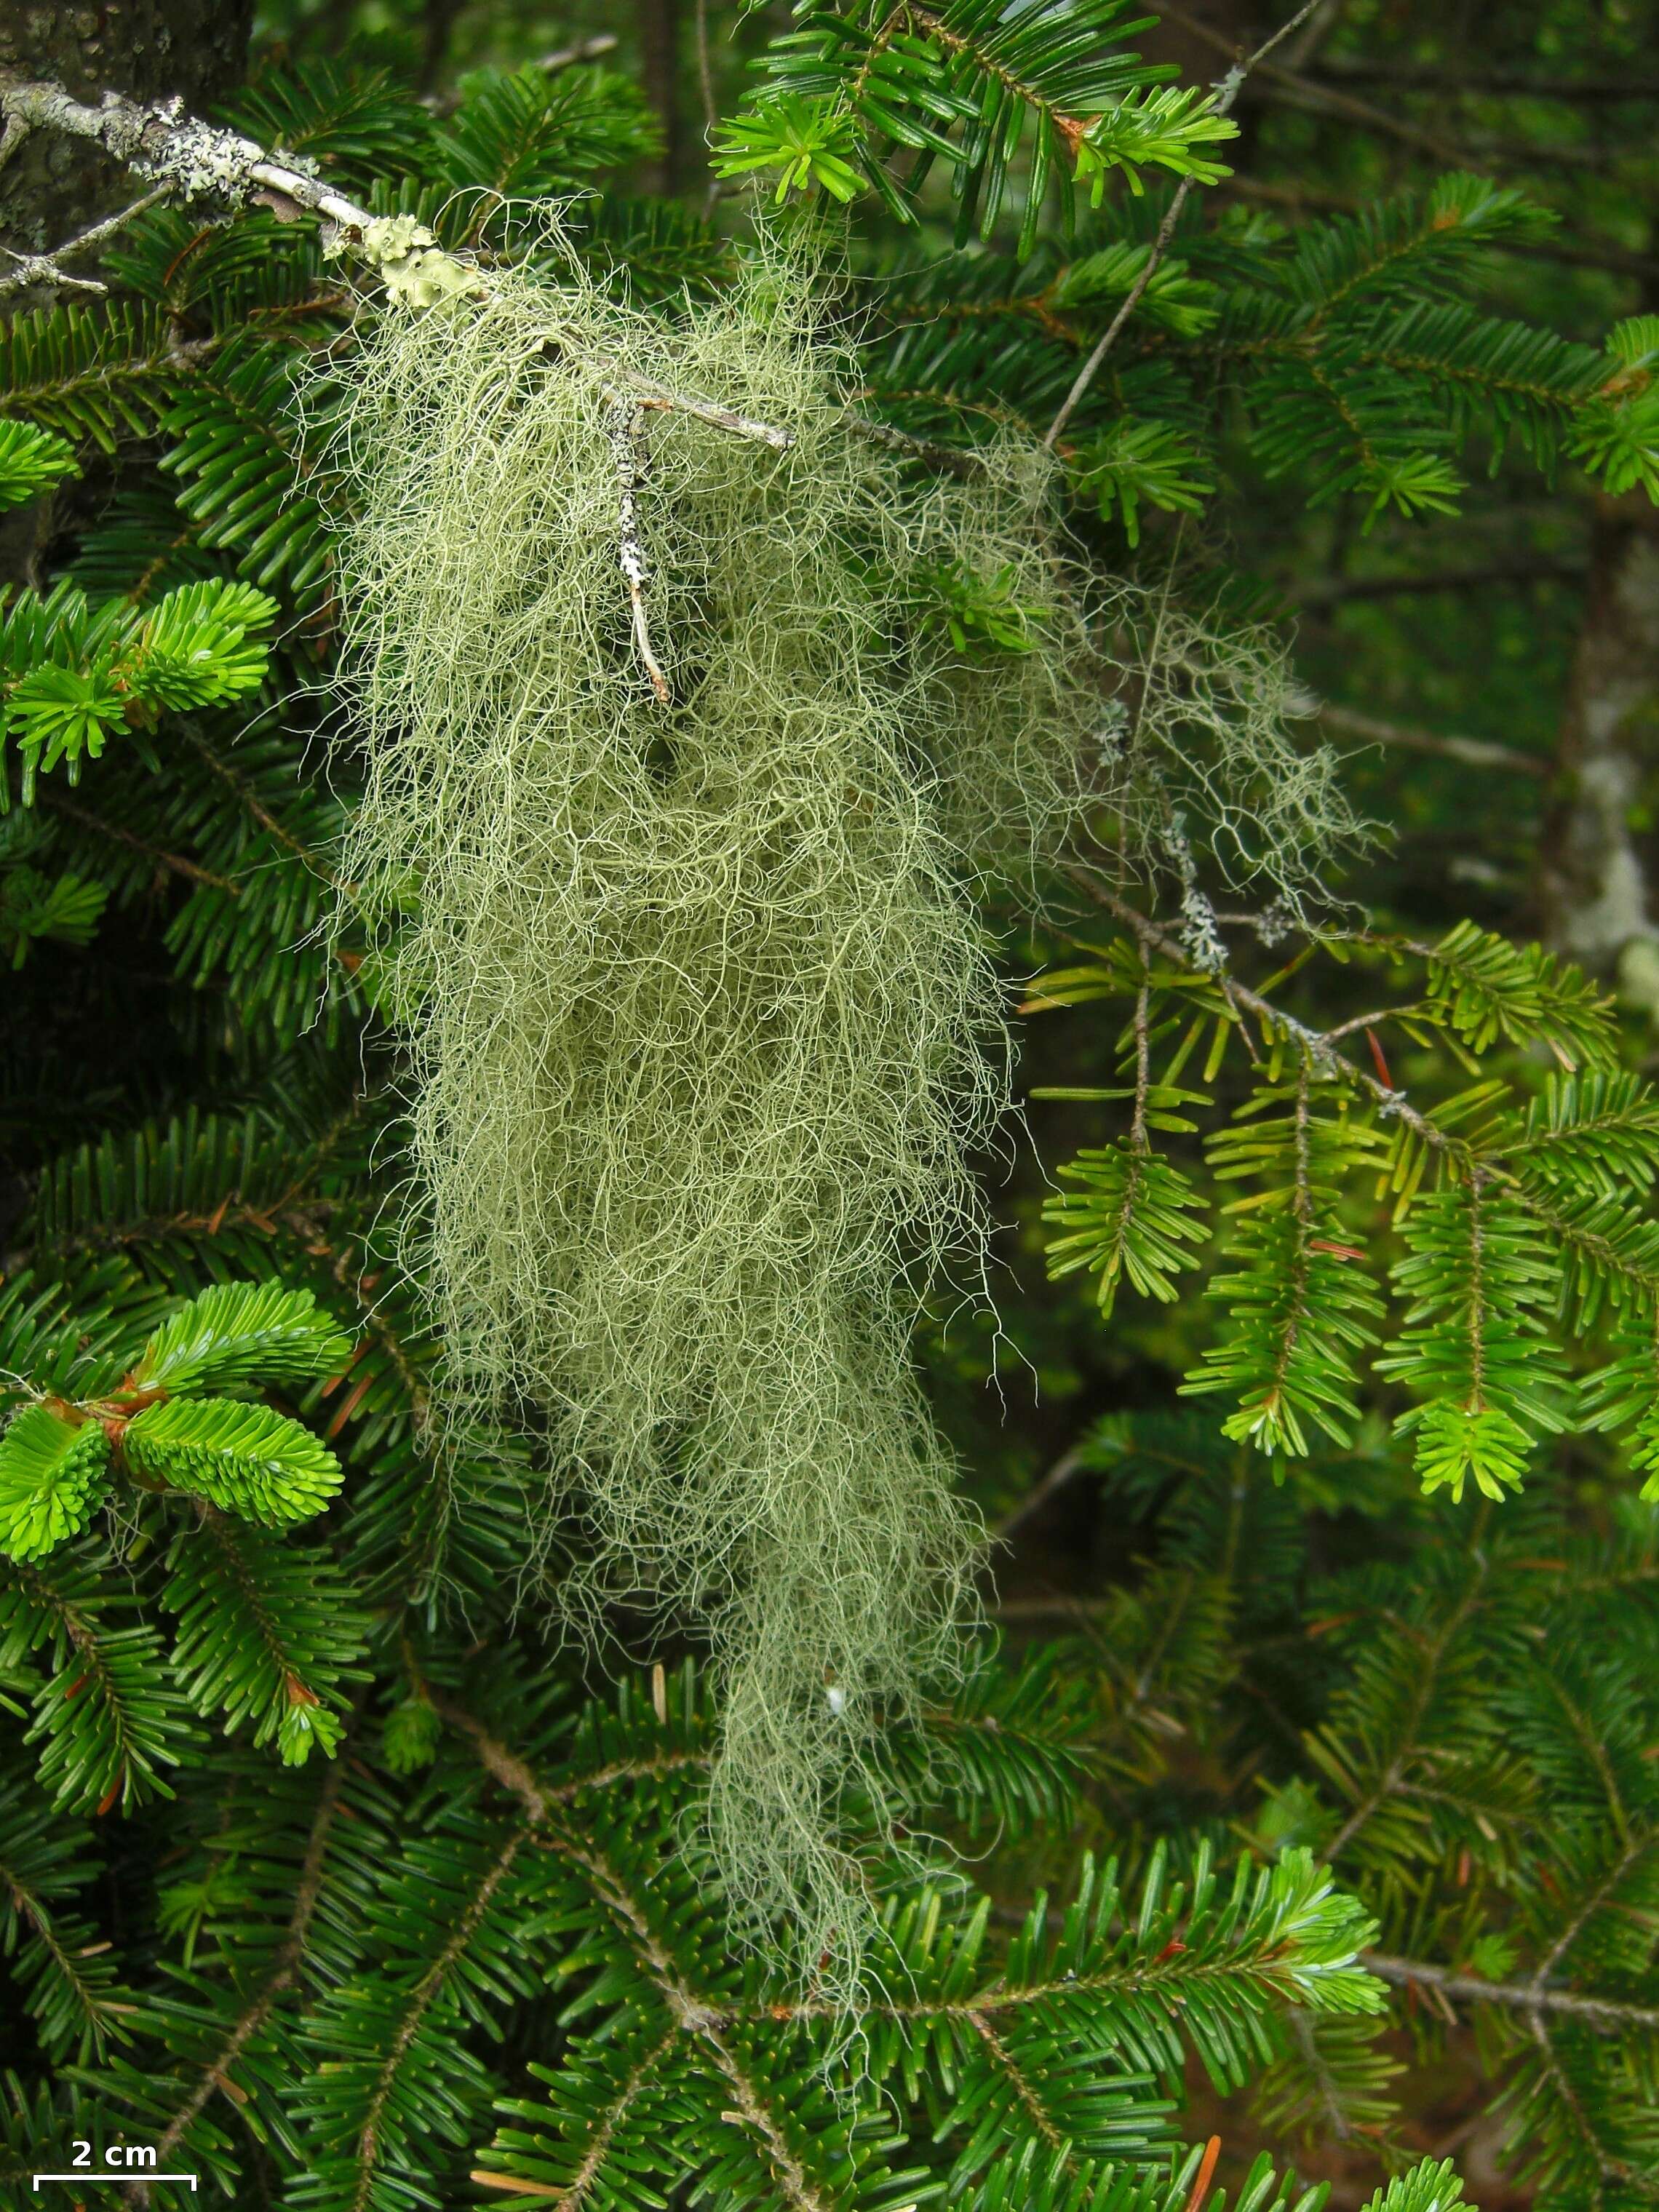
x=1607, y=2013
x=1474, y=752
x=626, y=425
x=1059, y=1475
x=562, y=58
x=31, y=269
x=1283, y=84
x=1227, y=91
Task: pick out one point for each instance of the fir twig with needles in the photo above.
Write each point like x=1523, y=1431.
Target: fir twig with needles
x=1227, y=92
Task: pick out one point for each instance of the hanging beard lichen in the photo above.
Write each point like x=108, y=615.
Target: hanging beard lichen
x=701, y=1024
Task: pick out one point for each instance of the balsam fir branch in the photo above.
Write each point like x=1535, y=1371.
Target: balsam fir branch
x=107, y=1718
x=1344, y=364
x=1536, y=1208
x=30, y=460
x=963, y=83
x=69, y=674
x=72, y=671
x=68, y=1979
x=1363, y=409
x=34, y=907
x=1473, y=1750
x=1301, y=1304
x=1474, y=1344
x=246, y=1458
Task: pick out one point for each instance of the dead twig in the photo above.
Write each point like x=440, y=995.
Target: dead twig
x=31, y=269
x=562, y=58
x=1608, y=2014
x=1227, y=91
x=626, y=426
x=1059, y=1475
x=1474, y=752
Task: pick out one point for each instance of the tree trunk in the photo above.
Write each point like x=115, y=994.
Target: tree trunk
x=146, y=48
x=659, y=24
x=53, y=185
x=1599, y=857
x=438, y=24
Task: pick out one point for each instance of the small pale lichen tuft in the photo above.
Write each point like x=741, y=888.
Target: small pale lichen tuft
x=415, y=268
x=197, y=160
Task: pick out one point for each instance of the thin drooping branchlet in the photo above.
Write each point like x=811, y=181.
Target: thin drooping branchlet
x=703, y=1028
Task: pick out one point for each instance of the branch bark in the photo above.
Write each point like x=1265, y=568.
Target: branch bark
x=1473, y=752
x=1610, y=2013
x=47, y=269
x=1227, y=91
x=1595, y=884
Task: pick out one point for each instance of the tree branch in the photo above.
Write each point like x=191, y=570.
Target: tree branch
x=956, y=460
x=538, y=1797
x=1054, y=1481
x=1336, y=591
x=283, y=1973
x=1608, y=2012
x=1433, y=1649
x=694, y=2018
x=1303, y=199
x=496, y=1756
x=43, y=268
x=1474, y=752
x=1301, y=91
x=174, y=862
x=1497, y=83
x=30, y=1909
x=593, y=2160
x=1154, y=937
x=562, y=58
x=1227, y=91
x=260, y=812
x=191, y=160
x=421, y=1999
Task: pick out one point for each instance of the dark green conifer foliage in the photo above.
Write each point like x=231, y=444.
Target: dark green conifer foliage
x=322, y=1870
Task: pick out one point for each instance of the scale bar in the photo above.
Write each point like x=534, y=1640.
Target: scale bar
x=115, y=2180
